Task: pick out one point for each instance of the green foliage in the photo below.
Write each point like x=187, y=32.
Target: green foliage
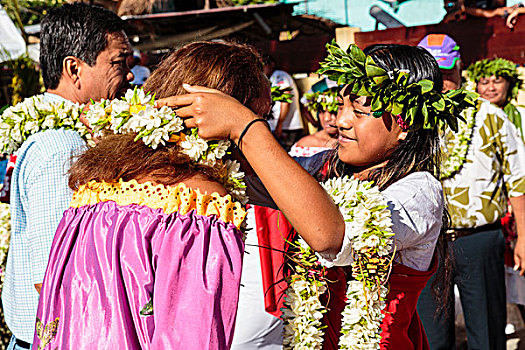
x=498, y=67
x=280, y=94
x=322, y=101
x=30, y=11
x=418, y=103
x=26, y=79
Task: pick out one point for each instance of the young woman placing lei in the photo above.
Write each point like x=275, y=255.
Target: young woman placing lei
x=149, y=254
x=382, y=176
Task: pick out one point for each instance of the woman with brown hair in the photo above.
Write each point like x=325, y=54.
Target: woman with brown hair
x=149, y=254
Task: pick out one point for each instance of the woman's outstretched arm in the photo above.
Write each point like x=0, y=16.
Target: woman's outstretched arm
x=297, y=194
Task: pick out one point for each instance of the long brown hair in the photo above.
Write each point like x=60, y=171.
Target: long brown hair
x=234, y=69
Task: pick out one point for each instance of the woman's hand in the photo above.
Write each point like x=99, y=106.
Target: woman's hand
x=217, y=115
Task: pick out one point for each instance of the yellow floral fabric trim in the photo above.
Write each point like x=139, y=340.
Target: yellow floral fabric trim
x=170, y=199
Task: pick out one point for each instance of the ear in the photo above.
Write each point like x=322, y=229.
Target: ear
x=72, y=70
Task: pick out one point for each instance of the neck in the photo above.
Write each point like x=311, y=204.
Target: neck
x=67, y=93
x=363, y=173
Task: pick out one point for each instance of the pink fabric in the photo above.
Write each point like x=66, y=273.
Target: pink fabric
x=108, y=261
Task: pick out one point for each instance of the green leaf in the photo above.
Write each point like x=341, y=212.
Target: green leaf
x=426, y=85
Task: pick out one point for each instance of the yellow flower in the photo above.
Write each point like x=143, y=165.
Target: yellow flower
x=136, y=108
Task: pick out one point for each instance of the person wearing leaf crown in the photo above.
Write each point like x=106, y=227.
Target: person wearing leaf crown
x=324, y=105
x=484, y=164
x=149, y=254
x=83, y=52
x=497, y=80
x=378, y=236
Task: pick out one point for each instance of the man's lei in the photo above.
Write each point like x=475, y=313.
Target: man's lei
x=33, y=115
x=456, y=148
x=322, y=101
x=368, y=225
x=417, y=104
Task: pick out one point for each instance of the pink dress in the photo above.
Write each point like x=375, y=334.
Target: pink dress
x=142, y=266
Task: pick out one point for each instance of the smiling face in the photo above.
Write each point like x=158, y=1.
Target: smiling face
x=364, y=140
x=494, y=89
x=110, y=76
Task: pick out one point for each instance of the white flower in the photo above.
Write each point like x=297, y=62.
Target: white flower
x=148, y=118
x=194, y=146
x=158, y=136
x=137, y=97
x=118, y=107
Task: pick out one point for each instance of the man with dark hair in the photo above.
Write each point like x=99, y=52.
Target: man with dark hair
x=83, y=56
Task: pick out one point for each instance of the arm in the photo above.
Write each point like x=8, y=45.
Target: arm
x=513, y=17
x=518, y=208
x=48, y=195
x=283, y=112
x=299, y=196
x=477, y=12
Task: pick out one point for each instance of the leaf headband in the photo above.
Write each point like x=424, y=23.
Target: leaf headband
x=498, y=67
x=322, y=101
x=416, y=105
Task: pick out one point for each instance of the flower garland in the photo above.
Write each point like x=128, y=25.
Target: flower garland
x=322, y=101
x=135, y=113
x=456, y=148
x=5, y=236
x=368, y=226
x=34, y=115
x=303, y=310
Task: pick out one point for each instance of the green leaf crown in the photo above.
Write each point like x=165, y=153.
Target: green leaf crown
x=322, y=101
x=499, y=67
x=418, y=104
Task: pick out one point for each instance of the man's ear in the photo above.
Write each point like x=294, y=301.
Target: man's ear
x=72, y=70
x=402, y=136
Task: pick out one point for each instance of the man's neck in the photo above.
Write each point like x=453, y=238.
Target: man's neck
x=66, y=93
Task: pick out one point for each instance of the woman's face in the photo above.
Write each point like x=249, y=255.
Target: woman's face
x=364, y=140
x=328, y=123
x=494, y=89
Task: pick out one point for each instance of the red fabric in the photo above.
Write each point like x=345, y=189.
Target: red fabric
x=273, y=231
x=402, y=328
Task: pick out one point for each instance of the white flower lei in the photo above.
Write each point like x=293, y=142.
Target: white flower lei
x=33, y=115
x=5, y=236
x=368, y=224
x=303, y=312
x=135, y=113
x=456, y=148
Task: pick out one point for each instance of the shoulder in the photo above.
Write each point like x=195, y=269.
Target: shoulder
x=489, y=110
x=53, y=141
x=419, y=192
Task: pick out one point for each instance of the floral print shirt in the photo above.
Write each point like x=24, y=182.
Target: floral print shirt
x=493, y=170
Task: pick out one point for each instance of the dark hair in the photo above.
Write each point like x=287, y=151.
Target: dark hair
x=419, y=151
x=78, y=30
x=232, y=68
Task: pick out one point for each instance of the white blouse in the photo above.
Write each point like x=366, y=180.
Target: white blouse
x=416, y=202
